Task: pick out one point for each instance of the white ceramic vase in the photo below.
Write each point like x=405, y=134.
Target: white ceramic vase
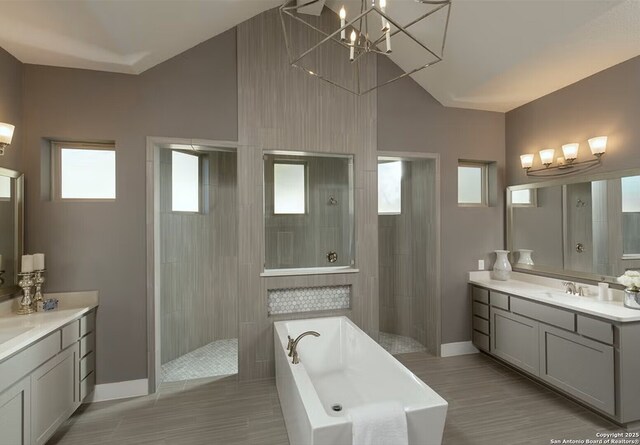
x=524, y=257
x=502, y=267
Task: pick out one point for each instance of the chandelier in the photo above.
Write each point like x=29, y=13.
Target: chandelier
x=340, y=48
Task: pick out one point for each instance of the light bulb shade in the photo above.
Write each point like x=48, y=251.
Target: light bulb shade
x=598, y=145
x=526, y=160
x=6, y=133
x=547, y=155
x=570, y=151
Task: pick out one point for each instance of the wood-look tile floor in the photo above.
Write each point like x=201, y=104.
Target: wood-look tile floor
x=488, y=404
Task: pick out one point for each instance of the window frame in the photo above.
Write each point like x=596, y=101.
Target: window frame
x=484, y=193
x=533, y=194
x=201, y=184
x=305, y=166
x=56, y=168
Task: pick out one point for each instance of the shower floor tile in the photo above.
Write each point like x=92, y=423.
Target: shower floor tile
x=397, y=344
x=215, y=359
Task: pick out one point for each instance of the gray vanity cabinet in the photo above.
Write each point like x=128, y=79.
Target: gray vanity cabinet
x=54, y=394
x=15, y=411
x=581, y=367
x=515, y=339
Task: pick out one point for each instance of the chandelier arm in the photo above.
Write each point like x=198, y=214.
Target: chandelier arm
x=324, y=79
x=446, y=28
x=326, y=39
x=433, y=11
x=413, y=71
x=394, y=23
x=324, y=33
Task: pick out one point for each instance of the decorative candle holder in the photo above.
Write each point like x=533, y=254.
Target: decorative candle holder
x=26, y=302
x=38, y=281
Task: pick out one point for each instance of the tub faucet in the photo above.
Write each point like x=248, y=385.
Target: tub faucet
x=293, y=352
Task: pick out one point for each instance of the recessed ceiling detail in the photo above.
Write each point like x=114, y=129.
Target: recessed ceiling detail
x=499, y=54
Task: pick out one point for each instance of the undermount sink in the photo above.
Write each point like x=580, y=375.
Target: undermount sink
x=7, y=334
x=559, y=294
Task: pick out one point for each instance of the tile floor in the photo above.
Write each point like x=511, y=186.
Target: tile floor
x=489, y=404
x=215, y=359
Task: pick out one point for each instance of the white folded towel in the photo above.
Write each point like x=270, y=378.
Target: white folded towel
x=379, y=424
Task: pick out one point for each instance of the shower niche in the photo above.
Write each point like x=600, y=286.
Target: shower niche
x=308, y=213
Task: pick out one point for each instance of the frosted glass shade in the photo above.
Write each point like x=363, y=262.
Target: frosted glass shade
x=546, y=156
x=526, y=160
x=598, y=145
x=6, y=133
x=570, y=151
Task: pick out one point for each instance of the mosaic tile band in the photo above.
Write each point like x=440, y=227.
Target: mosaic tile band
x=307, y=299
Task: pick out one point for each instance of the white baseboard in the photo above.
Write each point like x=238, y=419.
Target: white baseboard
x=119, y=390
x=459, y=348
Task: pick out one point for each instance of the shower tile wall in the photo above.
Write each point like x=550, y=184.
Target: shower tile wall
x=199, y=261
x=407, y=259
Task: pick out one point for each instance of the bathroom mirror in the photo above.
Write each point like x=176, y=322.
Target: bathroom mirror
x=11, y=230
x=582, y=227
x=308, y=212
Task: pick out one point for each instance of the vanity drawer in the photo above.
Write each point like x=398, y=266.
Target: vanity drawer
x=481, y=341
x=87, y=365
x=87, y=344
x=499, y=300
x=87, y=323
x=480, y=324
x=481, y=310
x=87, y=385
x=546, y=314
x=480, y=294
x=70, y=334
x=596, y=329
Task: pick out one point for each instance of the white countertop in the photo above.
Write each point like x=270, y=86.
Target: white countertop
x=19, y=331
x=550, y=291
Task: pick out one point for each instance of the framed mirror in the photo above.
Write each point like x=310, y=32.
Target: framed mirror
x=583, y=227
x=11, y=230
x=308, y=212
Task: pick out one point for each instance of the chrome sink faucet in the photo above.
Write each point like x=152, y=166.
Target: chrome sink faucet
x=571, y=288
x=292, y=345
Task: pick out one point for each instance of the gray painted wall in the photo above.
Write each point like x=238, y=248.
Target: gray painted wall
x=199, y=259
x=410, y=119
x=102, y=245
x=605, y=104
x=11, y=83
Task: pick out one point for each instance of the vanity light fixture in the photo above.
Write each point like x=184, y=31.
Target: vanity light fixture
x=6, y=135
x=568, y=164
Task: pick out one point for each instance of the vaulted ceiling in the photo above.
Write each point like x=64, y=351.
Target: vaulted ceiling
x=499, y=55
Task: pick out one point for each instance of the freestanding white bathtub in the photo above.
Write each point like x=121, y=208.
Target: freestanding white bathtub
x=344, y=366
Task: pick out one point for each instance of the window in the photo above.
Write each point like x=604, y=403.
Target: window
x=5, y=188
x=85, y=171
x=523, y=198
x=631, y=194
x=390, y=188
x=289, y=188
x=185, y=182
x=472, y=183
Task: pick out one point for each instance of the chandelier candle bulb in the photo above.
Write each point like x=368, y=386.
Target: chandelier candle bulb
x=352, y=50
x=598, y=145
x=546, y=156
x=526, y=161
x=383, y=6
x=570, y=152
x=388, y=38
x=343, y=21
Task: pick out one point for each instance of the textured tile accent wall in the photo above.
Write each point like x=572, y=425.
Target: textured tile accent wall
x=307, y=299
